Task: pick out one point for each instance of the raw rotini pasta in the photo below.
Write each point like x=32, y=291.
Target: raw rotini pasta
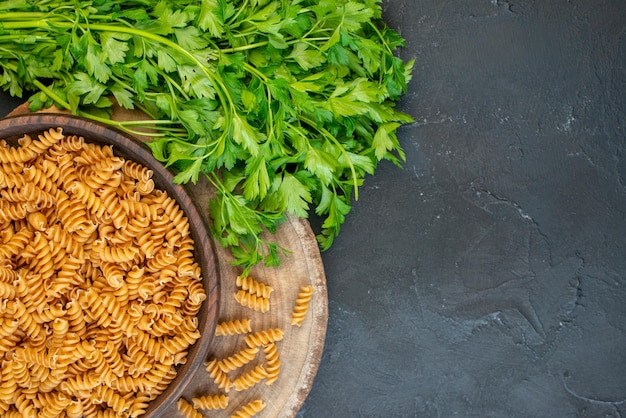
x=254, y=287
x=301, y=305
x=247, y=380
x=237, y=326
x=252, y=301
x=95, y=313
x=220, y=378
x=247, y=365
x=238, y=360
x=250, y=409
x=273, y=362
x=264, y=337
x=210, y=402
x=187, y=409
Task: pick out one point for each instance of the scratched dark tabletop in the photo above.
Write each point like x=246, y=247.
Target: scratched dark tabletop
x=487, y=278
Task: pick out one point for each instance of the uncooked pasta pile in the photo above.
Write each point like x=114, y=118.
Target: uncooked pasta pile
x=99, y=289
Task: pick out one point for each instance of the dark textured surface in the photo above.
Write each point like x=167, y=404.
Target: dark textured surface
x=487, y=278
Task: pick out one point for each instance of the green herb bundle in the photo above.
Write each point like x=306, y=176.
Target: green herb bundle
x=284, y=106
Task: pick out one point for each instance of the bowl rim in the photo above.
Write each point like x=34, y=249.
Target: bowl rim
x=126, y=146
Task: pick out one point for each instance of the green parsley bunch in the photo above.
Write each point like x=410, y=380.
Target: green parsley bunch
x=283, y=105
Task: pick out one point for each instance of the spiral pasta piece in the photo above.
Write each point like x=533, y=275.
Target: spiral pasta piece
x=238, y=359
x=23, y=403
x=81, y=384
x=135, y=227
x=8, y=327
x=139, y=405
x=98, y=178
x=164, y=257
x=90, y=153
x=36, y=176
x=76, y=317
x=71, y=143
x=88, y=197
x=252, y=301
x=187, y=410
x=71, y=212
x=273, y=362
x=10, y=167
x=65, y=240
x=104, y=394
x=145, y=187
x=8, y=384
x=250, y=379
x=137, y=362
x=149, y=344
x=181, y=341
x=220, y=378
x=264, y=337
x=27, y=323
x=36, y=357
x=10, y=154
x=21, y=373
x=159, y=376
x=210, y=402
x=16, y=243
x=301, y=305
x=193, y=303
x=113, y=358
x=11, y=211
x=253, y=286
x=233, y=327
x=12, y=180
x=136, y=171
x=114, y=208
x=250, y=409
x=64, y=172
x=66, y=278
x=45, y=140
x=7, y=291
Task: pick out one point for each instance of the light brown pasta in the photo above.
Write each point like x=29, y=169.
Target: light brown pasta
x=301, y=305
x=250, y=409
x=237, y=326
x=91, y=324
x=238, y=360
x=264, y=337
x=220, y=378
x=273, y=362
x=210, y=402
x=252, y=301
x=254, y=286
x=247, y=380
x=187, y=410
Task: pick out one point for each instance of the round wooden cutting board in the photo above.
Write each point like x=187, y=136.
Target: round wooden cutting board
x=301, y=347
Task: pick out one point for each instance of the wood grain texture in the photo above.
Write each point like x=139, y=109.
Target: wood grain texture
x=300, y=350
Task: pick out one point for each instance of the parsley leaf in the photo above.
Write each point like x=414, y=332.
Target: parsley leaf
x=284, y=107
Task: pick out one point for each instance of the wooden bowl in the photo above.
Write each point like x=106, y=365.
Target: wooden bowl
x=124, y=146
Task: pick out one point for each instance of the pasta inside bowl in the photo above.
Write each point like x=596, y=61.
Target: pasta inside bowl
x=109, y=286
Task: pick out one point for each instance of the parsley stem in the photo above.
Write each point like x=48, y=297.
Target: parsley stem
x=119, y=124
x=253, y=70
x=51, y=94
x=27, y=16
x=241, y=9
x=245, y=47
